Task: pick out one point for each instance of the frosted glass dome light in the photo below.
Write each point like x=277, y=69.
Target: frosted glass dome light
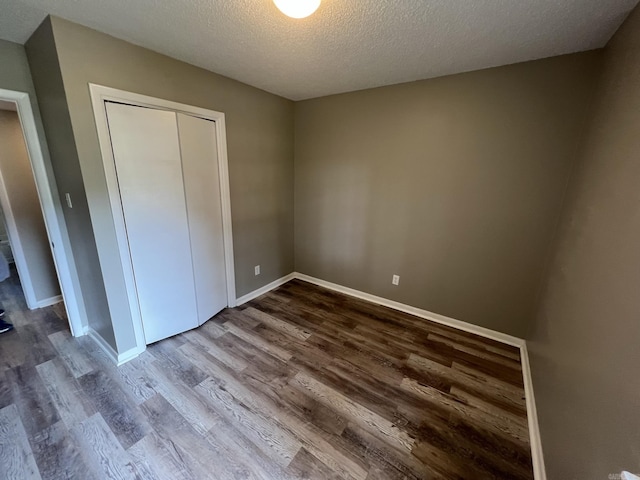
x=297, y=8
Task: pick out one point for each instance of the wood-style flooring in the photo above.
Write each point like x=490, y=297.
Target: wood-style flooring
x=301, y=383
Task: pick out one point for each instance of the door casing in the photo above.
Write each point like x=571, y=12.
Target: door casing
x=53, y=217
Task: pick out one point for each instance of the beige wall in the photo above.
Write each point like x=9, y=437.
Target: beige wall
x=585, y=342
x=15, y=75
x=453, y=183
x=25, y=205
x=260, y=149
x=45, y=68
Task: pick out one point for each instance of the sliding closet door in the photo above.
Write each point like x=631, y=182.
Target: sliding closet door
x=204, y=207
x=147, y=157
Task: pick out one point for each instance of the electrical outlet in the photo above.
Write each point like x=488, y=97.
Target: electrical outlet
x=396, y=280
x=256, y=269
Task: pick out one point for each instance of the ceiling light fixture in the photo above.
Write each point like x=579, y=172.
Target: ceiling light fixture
x=297, y=8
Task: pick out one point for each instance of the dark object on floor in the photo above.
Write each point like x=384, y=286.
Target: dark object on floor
x=5, y=326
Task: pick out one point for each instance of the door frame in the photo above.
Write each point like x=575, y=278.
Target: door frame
x=19, y=257
x=101, y=94
x=54, y=225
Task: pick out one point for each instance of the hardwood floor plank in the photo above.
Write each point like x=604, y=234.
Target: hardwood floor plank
x=264, y=368
x=514, y=355
x=128, y=377
x=187, y=372
x=493, y=382
x=16, y=457
x=277, y=324
x=136, y=379
x=65, y=393
x=102, y=452
x=228, y=358
x=312, y=411
x=260, y=429
x=481, y=463
x=212, y=329
x=156, y=459
x=58, y=456
x=487, y=343
x=47, y=320
x=477, y=351
x=486, y=443
x=14, y=351
x=32, y=399
x=306, y=466
x=300, y=428
x=76, y=360
x=40, y=349
x=238, y=317
x=443, y=465
x=353, y=411
x=173, y=429
x=301, y=382
x=467, y=362
x=6, y=397
x=117, y=410
x=234, y=444
x=183, y=399
x=491, y=422
x=500, y=414
x=375, y=394
x=502, y=395
x=257, y=341
x=384, y=461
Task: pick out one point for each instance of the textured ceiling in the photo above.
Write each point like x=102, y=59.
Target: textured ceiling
x=346, y=45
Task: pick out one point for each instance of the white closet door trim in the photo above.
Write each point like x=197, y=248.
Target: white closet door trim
x=101, y=94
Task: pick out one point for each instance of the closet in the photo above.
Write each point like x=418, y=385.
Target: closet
x=167, y=172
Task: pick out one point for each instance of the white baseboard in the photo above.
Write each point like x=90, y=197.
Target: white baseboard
x=130, y=354
x=539, y=472
x=47, y=302
x=262, y=290
x=102, y=343
x=116, y=358
x=418, y=312
x=532, y=417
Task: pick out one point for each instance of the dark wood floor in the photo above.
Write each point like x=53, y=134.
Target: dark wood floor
x=300, y=383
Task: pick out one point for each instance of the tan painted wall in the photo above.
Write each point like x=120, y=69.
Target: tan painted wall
x=45, y=68
x=585, y=342
x=260, y=146
x=25, y=205
x=15, y=75
x=452, y=183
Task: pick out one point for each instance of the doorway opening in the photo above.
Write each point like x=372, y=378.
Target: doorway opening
x=37, y=270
